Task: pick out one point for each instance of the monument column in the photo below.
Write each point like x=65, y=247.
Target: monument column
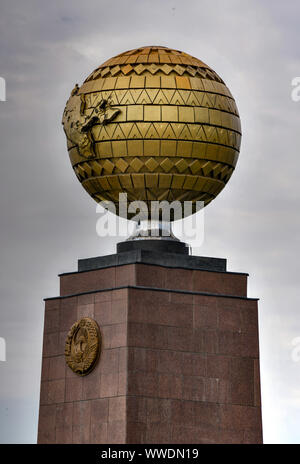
x=179, y=361
x=151, y=345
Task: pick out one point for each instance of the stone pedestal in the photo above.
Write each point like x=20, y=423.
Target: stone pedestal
x=179, y=360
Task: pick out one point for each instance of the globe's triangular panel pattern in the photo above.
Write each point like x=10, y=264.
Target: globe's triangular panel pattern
x=154, y=123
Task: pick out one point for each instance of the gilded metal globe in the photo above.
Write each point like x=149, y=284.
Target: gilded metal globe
x=156, y=124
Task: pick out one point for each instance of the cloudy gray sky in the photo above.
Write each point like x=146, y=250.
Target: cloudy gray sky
x=48, y=221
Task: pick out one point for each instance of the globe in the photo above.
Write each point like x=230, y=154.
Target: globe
x=154, y=123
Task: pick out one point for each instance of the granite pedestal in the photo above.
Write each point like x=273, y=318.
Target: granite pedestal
x=179, y=360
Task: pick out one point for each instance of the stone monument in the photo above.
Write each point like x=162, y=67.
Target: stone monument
x=151, y=345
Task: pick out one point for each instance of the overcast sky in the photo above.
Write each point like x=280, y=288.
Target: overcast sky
x=48, y=221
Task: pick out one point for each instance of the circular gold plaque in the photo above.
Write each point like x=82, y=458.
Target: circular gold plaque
x=83, y=345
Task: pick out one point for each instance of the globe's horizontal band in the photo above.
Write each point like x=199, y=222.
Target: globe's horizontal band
x=154, y=69
x=166, y=148
x=229, y=160
x=158, y=96
x=148, y=194
x=131, y=165
x=158, y=126
x=116, y=151
x=142, y=181
x=206, y=168
x=164, y=82
x=205, y=197
x=178, y=130
x=174, y=113
x=149, y=198
x=179, y=98
x=141, y=192
x=140, y=130
x=159, y=147
x=220, y=143
x=149, y=164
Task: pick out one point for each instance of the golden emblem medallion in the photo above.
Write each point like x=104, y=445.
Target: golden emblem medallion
x=83, y=346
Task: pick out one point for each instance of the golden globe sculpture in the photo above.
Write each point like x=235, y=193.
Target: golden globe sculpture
x=156, y=124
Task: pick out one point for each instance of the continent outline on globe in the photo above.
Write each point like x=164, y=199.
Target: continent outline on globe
x=78, y=122
x=174, y=133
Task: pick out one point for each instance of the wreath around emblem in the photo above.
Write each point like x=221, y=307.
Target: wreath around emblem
x=83, y=345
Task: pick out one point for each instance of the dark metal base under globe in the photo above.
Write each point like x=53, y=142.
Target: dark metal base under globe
x=158, y=246
x=153, y=235
x=154, y=258
x=153, y=243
